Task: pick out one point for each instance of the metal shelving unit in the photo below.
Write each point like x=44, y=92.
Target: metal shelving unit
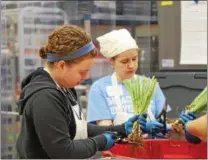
x=21, y=25
x=35, y=23
x=9, y=118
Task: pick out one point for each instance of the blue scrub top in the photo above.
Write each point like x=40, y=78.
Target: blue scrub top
x=102, y=105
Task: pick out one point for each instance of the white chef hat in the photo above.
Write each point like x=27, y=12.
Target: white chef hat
x=116, y=42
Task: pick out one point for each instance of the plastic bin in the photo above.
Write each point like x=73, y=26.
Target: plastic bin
x=167, y=149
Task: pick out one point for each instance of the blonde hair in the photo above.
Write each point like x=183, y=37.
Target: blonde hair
x=66, y=39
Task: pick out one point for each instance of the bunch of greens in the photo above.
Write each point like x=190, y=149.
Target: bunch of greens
x=141, y=90
x=198, y=105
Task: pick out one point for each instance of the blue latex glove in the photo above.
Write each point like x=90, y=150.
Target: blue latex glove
x=191, y=138
x=142, y=121
x=186, y=117
x=129, y=124
x=153, y=127
x=110, y=138
x=160, y=135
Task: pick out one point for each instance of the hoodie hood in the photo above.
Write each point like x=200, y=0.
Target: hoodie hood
x=34, y=82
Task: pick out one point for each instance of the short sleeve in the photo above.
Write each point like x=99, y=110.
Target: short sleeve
x=97, y=108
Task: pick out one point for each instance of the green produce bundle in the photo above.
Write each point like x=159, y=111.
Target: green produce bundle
x=198, y=105
x=141, y=90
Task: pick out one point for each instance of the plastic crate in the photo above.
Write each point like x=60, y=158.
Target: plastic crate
x=167, y=149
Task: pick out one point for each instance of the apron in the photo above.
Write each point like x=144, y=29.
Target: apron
x=122, y=116
x=81, y=123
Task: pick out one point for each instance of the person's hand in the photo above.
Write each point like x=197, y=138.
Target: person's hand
x=186, y=117
x=142, y=121
x=153, y=127
x=129, y=124
x=110, y=140
x=191, y=138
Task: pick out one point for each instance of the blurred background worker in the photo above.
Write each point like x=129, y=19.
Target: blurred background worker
x=109, y=101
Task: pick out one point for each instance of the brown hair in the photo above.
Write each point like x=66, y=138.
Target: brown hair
x=66, y=39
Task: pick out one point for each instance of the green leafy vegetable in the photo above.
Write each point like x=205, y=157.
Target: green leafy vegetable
x=141, y=90
x=199, y=104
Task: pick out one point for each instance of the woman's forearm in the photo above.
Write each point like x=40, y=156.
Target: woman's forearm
x=198, y=127
x=94, y=130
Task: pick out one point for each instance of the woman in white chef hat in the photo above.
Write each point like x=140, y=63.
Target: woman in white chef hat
x=109, y=102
